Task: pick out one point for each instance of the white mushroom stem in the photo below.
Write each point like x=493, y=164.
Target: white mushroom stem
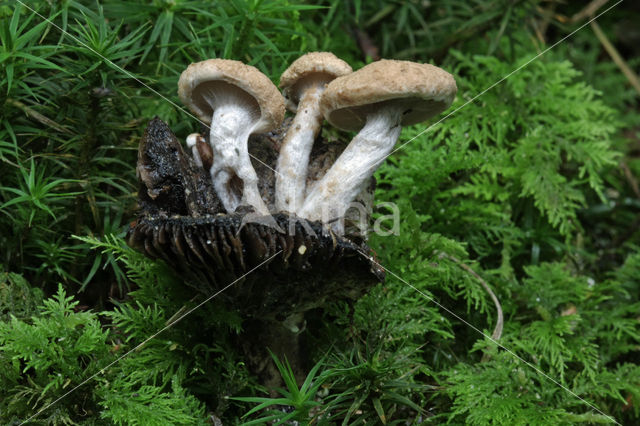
x=293, y=160
x=329, y=199
x=192, y=142
x=232, y=173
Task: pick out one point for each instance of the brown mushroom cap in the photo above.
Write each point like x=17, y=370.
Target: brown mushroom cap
x=319, y=65
x=422, y=90
x=223, y=74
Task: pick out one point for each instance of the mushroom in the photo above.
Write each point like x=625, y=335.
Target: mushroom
x=376, y=100
x=302, y=84
x=236, y=100
x=200, y=150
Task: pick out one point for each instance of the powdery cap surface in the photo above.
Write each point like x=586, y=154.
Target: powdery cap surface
x=422, y=90
x=322, y=65
x=212, y=74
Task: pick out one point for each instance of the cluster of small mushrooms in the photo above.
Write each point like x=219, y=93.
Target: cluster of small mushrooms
x=193, y=208
x=236, y=101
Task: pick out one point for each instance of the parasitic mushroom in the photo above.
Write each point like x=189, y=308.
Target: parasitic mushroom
x=376, y=100
x=302, y=84
x=236, y=100
x=200, y=150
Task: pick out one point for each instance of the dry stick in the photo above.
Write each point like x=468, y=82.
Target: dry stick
x=538, y=29
x=367, y=46
x=633, y=182
x=37, y=116
x=589, y=10
x=497, y=331
x=611, y=50
x=542, y=26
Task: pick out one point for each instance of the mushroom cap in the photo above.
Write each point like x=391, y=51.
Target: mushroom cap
x=224, y=74
x=323, y=66
x=192, y=139
x=422, y=90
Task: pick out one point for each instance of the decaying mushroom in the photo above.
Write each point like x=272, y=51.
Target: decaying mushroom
x=237, y=100
x=190, y=232
x=171, y=184
x=302, y=84
x=183, y=222
x=376, y=100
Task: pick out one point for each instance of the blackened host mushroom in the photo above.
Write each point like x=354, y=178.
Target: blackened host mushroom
x=236, y=100
x=376, y=100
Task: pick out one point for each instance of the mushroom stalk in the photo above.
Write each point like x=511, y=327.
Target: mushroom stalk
x=192, y=142
x=293, y=160
x=200, y=151
x=232, y=173
x=332, y=195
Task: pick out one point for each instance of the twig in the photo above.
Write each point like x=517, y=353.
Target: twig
x=611, y=50
x=37, y=116
x=179, y=312
x=542, y=25
x=588, y=11
x=497, y=331
x=366, y=44
x=631, y=179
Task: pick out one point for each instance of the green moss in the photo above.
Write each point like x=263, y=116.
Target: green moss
x=532, y=185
